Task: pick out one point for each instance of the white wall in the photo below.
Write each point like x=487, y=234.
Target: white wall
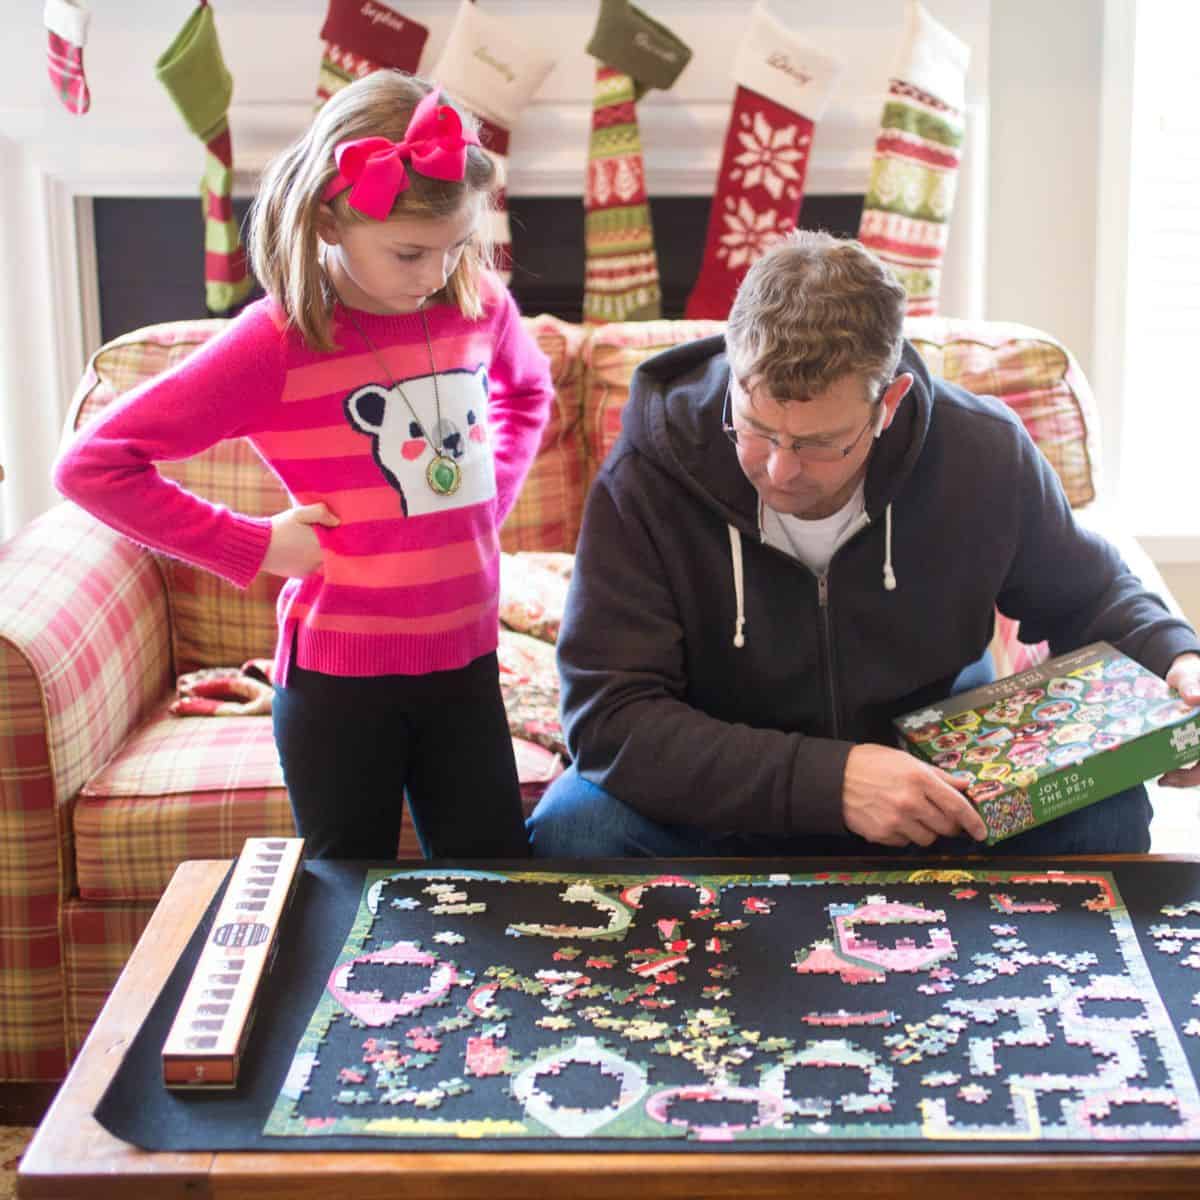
x=1045, y=80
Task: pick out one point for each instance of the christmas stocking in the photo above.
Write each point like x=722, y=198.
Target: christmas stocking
x=358, y=38
x=782, y=89
x=634, y=54
x=66, y=24
x=194, y=74
x=495, y=75
x=907, y=209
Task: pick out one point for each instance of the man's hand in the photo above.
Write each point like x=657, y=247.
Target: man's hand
x=892, y=798
x=294, y=550
x=1184, y=677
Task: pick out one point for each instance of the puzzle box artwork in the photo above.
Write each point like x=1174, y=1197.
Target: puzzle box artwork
x=1062, y=735
x=912, y=1008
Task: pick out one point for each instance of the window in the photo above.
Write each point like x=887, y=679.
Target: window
x=1160, y=410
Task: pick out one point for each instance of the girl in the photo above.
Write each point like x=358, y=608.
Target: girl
x=387, y=380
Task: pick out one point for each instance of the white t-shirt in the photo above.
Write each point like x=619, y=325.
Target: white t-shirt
x=813, y=542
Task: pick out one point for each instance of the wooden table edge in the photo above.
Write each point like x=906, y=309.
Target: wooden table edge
x=72, y=1151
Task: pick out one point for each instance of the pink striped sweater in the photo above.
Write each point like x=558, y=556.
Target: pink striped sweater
x=409, y=581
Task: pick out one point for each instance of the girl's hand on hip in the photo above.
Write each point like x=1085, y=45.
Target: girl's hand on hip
x=294, y=549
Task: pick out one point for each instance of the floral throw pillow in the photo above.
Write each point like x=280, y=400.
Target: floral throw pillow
x=529, y=685
x=533, y=592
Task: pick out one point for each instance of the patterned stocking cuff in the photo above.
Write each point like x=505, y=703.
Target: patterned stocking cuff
x=375, y=33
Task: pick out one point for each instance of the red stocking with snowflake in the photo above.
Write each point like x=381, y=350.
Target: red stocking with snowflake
x=783, y=87
x=358, y=38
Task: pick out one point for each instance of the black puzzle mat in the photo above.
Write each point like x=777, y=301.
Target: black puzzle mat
x=711, y=1005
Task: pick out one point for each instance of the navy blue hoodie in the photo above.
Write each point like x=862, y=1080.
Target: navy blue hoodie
x=664, y=710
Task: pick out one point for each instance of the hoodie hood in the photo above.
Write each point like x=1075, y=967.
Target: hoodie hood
x=673, y=417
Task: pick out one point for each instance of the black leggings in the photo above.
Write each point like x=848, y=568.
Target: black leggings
x=352, y=748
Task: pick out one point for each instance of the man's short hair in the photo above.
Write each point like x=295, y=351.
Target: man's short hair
x=813, y=309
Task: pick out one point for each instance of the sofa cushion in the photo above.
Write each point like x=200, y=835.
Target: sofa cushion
x=1038, y=378
x=549, y=507
x=529, y=684
x=533, y=592
x=190, y=787
x=212, y=622
x=178, y=788
x=1035, y=375
x=610, y=358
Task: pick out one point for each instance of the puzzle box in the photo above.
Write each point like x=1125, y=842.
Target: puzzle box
x=1047, y=741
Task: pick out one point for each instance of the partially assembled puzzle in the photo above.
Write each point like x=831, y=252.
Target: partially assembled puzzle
x=914, y=1006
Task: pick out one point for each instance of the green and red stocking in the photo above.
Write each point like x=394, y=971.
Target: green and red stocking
x=634, y=53
x=906, y=213
x=194, y=74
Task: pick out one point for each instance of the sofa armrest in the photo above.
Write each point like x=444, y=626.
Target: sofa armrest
x=83, y=620
x=84, y=652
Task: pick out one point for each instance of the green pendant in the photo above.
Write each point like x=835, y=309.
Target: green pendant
x=444, y=475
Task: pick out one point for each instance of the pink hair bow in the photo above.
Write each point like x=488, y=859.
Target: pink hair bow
x=435, y=144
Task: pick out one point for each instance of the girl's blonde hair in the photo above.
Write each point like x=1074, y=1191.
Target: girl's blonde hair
x=283, y=241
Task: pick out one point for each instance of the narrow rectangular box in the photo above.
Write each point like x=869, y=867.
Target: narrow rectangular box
x=208, y=1036
x=1062, y=735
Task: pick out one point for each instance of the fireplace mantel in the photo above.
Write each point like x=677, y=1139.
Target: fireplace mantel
x=132, y=142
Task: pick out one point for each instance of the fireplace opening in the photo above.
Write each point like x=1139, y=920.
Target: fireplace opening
x=150, y=252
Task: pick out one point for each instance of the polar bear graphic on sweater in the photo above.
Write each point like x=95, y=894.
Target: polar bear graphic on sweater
x=401, y=435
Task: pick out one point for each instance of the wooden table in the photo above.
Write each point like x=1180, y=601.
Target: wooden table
x=73, y=1156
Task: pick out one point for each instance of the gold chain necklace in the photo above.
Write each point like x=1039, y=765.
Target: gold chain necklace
x=443, y=474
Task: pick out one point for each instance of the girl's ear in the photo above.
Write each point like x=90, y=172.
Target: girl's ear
x=327, y=226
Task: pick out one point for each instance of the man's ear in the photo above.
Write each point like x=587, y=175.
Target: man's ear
x=890, y=401
x=327, y=226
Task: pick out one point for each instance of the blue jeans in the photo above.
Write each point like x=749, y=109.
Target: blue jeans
x=577, y=819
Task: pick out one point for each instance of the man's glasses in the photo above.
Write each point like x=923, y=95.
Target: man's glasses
x=753, y=442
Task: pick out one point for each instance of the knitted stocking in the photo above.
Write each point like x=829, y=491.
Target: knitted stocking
x=906, y=213
x=783, y=87
x=194, y=74
x=66, y=24
x=494, y=75
x=358, y=38
x=634, y=54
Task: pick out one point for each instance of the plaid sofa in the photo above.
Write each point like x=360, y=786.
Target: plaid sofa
x=103, y=792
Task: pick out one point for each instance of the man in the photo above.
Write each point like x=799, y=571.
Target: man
x=799, y=536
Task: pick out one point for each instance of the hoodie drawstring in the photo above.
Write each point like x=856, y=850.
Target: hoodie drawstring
x=889, y=576
x=739, y=591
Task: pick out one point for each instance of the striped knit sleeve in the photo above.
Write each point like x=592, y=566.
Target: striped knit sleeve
x=222, y=391
x=520, y=394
